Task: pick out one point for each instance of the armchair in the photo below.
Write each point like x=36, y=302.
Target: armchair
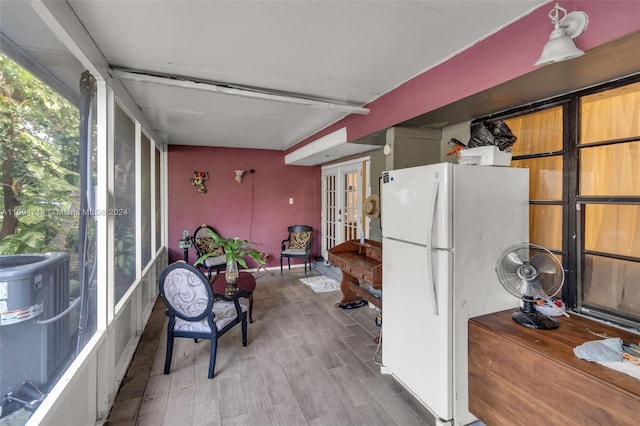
x=204, y=243
x=297, y=245
x=195, y=312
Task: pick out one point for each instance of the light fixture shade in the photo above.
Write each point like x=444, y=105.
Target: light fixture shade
x=559, y=48
x=567, y=26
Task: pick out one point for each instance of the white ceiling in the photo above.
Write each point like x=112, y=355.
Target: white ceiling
x=340, y=52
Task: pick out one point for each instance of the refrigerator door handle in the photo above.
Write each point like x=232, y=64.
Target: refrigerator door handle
x=430, y=274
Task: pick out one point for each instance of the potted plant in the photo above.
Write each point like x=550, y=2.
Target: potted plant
x=235, y=251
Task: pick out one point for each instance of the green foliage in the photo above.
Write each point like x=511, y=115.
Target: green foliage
x=27, y=240
x=125, y=258
x=235, y=249
x=39, y=132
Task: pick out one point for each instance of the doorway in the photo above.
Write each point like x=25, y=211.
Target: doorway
x=344, y=187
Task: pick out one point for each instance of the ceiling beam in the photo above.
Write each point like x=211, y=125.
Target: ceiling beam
x=230, y=89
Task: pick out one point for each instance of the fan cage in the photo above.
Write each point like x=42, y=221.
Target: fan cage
x=550, y=282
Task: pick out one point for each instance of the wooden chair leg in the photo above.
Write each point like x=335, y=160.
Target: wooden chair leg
x=250, y=306
x=244, y=329
x=167, y=359
x=212, y=357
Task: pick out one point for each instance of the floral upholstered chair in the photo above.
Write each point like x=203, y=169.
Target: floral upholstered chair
x=204, y=243
x=297, y=245
x=195, y=312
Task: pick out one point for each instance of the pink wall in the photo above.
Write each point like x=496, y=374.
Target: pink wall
x=257, y=209
x=476, y=69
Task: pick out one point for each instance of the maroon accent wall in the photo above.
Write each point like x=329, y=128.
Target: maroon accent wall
x=257, y=209
x=474, y=70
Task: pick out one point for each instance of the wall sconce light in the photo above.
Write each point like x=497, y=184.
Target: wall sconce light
x=239, y=175
x=560, y=46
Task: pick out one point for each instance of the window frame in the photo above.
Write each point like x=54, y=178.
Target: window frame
x=573, y=251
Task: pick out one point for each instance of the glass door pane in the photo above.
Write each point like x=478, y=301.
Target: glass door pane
x=611, y=114
x=351, y=204
x=539, y=148
x=329, y=212
x=538, y=132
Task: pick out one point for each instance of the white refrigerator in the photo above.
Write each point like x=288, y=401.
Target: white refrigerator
x=443, y=229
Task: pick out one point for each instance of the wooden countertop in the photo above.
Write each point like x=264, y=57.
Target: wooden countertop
x=519, y=375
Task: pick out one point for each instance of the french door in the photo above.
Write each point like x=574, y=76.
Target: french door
x=343, y=189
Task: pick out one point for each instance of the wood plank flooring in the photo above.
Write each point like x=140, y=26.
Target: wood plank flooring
x=306, y=363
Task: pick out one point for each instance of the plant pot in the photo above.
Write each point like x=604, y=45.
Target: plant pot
x=231, y=276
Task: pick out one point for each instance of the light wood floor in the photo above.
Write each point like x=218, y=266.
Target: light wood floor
x=306, y=363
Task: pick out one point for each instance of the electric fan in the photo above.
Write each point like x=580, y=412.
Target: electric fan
x=531, y=272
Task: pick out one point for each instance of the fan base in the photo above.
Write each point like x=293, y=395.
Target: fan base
x=534, y=320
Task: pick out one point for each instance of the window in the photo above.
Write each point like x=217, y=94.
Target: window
x=158, y=200
x=540, y=149
x=583, y=153
x=608, y=196
x=47, y=234
x=145, y=211
x=124, y=202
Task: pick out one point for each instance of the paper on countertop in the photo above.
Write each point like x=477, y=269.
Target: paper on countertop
x=607, y=352
x=624, y=367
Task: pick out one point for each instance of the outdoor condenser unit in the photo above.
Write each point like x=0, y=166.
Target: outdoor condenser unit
x=35, y=331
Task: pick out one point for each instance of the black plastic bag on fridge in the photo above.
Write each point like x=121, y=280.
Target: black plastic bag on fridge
x=496, y=132
x=480, y=135
x=504, y=137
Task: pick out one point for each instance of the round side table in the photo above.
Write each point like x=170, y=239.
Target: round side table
x=245, y=281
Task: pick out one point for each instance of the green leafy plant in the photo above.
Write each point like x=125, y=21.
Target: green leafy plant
x=235, y=249
x=39, y=132
x=125, y=257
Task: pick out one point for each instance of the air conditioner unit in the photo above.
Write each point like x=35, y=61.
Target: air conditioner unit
x=36, y=332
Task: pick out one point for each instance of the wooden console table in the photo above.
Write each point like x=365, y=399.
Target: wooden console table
x=522, y=376
x=358, y=262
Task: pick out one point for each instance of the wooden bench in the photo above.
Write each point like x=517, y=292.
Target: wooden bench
x=519, y=375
